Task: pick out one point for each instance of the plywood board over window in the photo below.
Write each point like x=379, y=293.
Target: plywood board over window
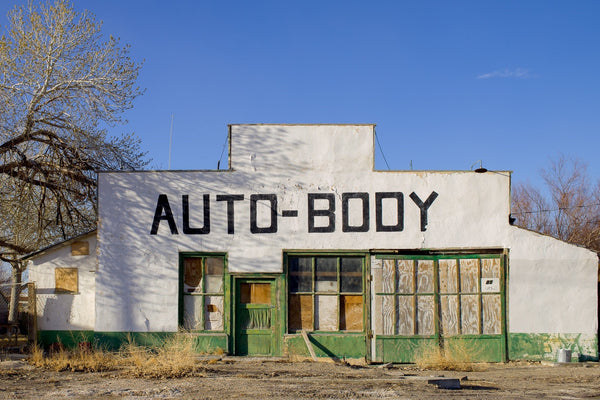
x=80, y=248
x=65, y=280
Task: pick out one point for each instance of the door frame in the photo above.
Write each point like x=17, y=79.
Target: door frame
x=278, y=322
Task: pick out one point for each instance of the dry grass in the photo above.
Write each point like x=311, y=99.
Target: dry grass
x=174, y=358
x=458, y=357
x=79, y=359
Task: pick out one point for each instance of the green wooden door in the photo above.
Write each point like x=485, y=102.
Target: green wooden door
x=255, y=317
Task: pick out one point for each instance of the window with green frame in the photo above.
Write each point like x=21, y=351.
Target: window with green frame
x=325, y=293
x=202, y=292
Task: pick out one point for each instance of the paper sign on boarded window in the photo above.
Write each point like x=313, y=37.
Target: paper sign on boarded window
x=65, y=280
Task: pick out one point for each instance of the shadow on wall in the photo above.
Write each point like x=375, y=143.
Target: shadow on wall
x=137, y=281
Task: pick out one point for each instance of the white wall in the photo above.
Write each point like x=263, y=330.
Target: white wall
x=65, y=311
x=137, y=282
x=552, y=285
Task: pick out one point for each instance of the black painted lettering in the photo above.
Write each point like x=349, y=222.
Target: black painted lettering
x=328, y=212
x=186, y=216
x=346, y=227
x=379, y=196
x=423, y=207
x=163, y=212
x=272, y=199
x=230, y=198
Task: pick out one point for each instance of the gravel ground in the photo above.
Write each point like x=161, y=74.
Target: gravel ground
x=260, y=379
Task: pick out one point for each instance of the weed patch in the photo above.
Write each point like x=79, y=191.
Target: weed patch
x=457, y=357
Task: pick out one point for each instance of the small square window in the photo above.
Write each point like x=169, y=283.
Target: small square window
x=80, y=248
x=66, y=280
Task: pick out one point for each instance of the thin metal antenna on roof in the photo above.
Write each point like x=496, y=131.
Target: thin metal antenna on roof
x=171, y=138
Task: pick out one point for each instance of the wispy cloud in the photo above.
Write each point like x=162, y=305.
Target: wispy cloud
x=519, y=73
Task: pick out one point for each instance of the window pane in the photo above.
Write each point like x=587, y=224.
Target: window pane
x=449, y=314
x=492, y=314
x=326, y=313
x=448, y=276
x=405, y=315
x=406, y=276
x=351, y=274
x=192, y=312
x=326, y=274
x=214, y=274
x=255, y=293
x=387, y=315
x=425, y=276
x=351, y=313
x=490, y=268
x=213, y=317
x=469, y=279
x=469, y=310
x=300, y=270
x=65, y=280
x=425, y=319
x=192, y=276
x=301, y=312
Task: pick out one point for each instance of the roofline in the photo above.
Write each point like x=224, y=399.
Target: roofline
x=59, y=244
x=301, y=124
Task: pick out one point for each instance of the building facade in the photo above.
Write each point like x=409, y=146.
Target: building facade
x=301, y=235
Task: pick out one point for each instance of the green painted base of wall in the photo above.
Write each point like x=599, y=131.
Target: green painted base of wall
x=68, y=339
x=409, y=350
x=404, y=350
x=544, y=346
x=327, y=345
x=205, y=343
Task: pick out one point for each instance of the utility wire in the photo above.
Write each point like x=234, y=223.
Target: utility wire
x=222, y=151
x=381, y=150
x=556, y=209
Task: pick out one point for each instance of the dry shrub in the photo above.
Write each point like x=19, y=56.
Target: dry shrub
x=79, y=359
x=175, y=358
x=457, y=357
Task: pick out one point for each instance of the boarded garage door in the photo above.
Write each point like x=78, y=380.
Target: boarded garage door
x=451, y=302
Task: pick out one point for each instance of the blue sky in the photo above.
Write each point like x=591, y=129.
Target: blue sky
x=448, y=83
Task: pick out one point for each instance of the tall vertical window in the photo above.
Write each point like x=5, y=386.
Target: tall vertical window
x=325, y=293
x=202, y=293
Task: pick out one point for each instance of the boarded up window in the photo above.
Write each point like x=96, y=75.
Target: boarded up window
x=80, y=248
x=255, y=293
x=468, y=289
x=66, y=280
x=325, y=293
x=202, y=286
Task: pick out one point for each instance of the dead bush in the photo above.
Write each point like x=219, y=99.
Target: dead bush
x=458, y=356
x=80, y=359
x=175, y=358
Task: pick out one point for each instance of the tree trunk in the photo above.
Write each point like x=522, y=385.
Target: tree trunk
x=15, y=292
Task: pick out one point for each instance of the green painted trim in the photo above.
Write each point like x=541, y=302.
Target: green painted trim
x=68, y=339
x=328, y=345
x=490, y=347
x=441, y=256
x=226, y=290
x=333, y=253
x=544, y=346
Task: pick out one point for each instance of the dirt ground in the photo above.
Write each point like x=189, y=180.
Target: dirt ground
x=261, y=379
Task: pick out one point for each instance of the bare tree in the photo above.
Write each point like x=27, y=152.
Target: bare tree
x=61, y=84
x=569, y=211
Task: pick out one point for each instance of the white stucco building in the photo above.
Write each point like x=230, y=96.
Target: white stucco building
x=300, y=233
